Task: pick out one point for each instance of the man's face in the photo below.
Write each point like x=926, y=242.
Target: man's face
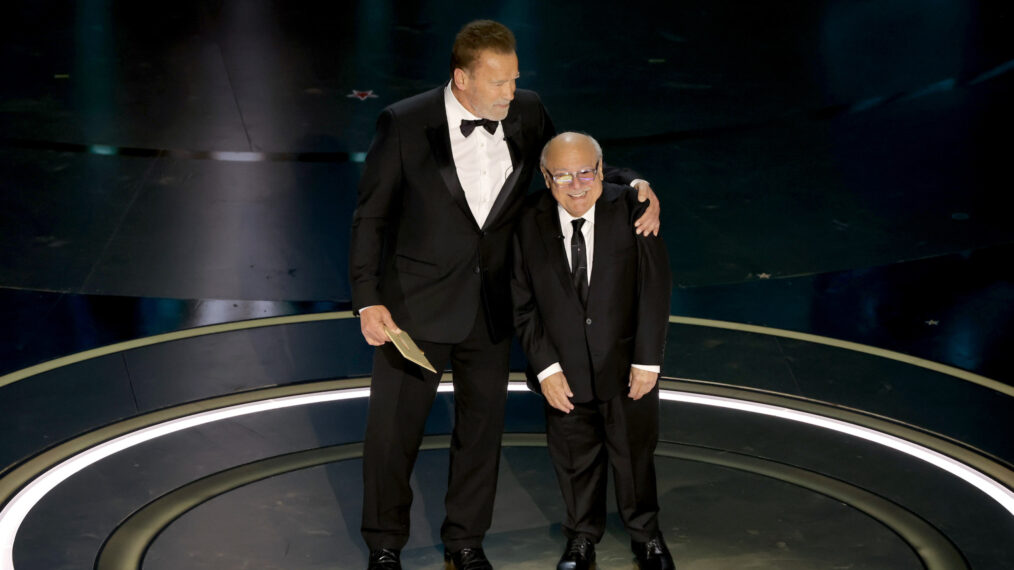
x=577, y=158
x=487, y=89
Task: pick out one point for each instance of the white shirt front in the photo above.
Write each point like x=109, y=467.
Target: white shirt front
x=483, y=160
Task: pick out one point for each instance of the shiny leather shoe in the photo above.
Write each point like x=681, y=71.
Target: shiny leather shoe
x=579, y=554
x=653, y=555
x=467, y=559
x=385, y=559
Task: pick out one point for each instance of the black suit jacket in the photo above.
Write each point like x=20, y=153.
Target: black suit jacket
x=627, y=313
x=415, y=246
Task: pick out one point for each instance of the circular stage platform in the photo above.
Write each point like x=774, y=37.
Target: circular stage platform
x=270, y=477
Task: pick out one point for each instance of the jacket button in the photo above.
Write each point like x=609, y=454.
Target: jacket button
x=476, y=270
x=587, y=321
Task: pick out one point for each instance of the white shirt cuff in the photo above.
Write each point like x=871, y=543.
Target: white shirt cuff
x=549, y=371
x=555, y=367
x=633, y=183
x=648, y=368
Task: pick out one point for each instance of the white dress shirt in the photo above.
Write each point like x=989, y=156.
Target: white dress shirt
x=483, y=160
x=588, y=231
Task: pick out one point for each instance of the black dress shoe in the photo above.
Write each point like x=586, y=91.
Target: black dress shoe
x=653, y=555
x=467, y=559
x=579, y=554
x=385, y=559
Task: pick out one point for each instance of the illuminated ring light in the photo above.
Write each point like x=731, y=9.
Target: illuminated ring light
x=37, y=485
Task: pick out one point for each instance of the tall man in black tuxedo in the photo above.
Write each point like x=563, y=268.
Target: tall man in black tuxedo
x=443, y=184
x=592, y=309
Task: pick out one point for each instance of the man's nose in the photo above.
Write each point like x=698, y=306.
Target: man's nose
x=509, y=89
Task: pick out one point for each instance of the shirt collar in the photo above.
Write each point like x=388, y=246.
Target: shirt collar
x=566, y=218
x=455, y=110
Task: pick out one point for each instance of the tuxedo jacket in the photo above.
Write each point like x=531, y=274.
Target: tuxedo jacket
x=626, y=316
x=415, y=246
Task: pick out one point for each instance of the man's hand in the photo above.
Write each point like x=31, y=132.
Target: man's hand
x=557, y=392
x=649, y=222
x=641, y=382
x=372, y=321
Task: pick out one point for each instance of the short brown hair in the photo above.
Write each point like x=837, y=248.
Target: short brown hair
x=479, y=35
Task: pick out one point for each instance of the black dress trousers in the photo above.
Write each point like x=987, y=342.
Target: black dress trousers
x=582, y=444
x=401, y=396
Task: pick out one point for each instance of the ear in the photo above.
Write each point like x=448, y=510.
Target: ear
x=546, y=177
x=460, y=78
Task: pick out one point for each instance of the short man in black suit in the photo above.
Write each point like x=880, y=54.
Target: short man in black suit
x=443, y=184
x=592, y=308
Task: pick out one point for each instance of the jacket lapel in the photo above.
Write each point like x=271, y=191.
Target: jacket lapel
x=548, y=222
x=608, y=217
x=440, y=145
x=511, y=129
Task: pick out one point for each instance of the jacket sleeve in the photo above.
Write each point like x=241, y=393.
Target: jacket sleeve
x=528, y=322
x=376, y=211
x=546, y=126
x=618, y=175
x=654, y=289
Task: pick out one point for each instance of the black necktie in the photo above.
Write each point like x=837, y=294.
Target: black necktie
x=468, y=126
x=579, y=261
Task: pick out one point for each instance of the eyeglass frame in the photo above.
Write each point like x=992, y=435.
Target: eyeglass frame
x=573, y=175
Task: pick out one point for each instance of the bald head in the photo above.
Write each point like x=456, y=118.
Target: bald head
x=569, y=140
x=572, y=168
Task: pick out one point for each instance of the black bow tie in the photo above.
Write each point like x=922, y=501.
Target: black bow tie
x=468, y=126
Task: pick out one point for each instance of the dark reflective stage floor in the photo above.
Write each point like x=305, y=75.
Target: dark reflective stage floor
x=832, y=168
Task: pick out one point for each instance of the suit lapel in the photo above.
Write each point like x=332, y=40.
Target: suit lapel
x=607, y=219
x=548, y=222
x=440, y=146
x=511, y=128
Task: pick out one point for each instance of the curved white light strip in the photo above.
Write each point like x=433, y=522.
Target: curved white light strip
x=18, y=508
x=998, y=492
x=14, y=513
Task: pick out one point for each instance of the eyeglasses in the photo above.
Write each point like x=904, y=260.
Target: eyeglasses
x=565, y=178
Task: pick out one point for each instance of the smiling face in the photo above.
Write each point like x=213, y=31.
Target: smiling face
x=573, y=154
x=486, y=89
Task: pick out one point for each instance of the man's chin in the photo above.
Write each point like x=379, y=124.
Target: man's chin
x=498, y=113
x=577, y=207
